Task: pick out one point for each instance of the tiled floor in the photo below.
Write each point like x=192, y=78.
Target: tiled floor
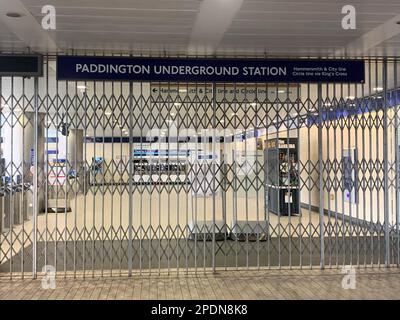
x=265, y=284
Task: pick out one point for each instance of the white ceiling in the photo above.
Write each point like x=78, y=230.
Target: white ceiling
x=179, y=27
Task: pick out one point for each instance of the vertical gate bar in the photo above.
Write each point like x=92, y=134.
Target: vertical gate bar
x=353, y=167
x=335, y=157
x=46, y=191
x=2, y=184
x=23, y=179
x=245, y=174
x=363, y=160
x=66, y=108
x=75, y=168
x=392, y=165
x=235, y=175
x=343, y=122
x=257, y=130
x=309, y=172
x=111, y=107
x=204, y=145
x=149, y=106
x=22, y=164
x=85, y=182
x=214, y=163
x=287, y=117
x=328, y=180
x=385, y=165
x=320, y=169
x=356, y=168
x=196, y=164
x=392, y=154
x=255, y=127
x=277, y=109
x=298, y=124
x=327, y=183
x=57, y=180
x=159, y=116
x=94, y=184
x=141, y=181
x=130, y=179
x=187, y=186
x=103, y=105
x=121, y=233
x=266, y=175
x=396, y=126
x=169, y=102
x=225, y=166
x=11, y=201
x=371, y=217
x=178, y=183
x=35, y=178
x=378, y=201
x=22, y=174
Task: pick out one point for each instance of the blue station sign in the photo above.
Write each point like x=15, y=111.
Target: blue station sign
x=85, y=68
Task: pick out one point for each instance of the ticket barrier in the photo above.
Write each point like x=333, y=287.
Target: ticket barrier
x=14, y=200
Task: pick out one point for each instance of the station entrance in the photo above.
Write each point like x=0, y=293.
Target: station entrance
x=123, y=177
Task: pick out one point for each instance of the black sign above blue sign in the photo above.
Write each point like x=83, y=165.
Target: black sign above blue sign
x=208, y=70
x=21, y=65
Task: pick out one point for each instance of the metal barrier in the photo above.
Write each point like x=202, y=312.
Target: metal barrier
x=196, y=177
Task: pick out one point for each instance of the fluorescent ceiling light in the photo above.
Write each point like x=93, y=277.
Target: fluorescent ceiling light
x=281, y=91
x=377, y=89
x=182, y=90
x=350, y=97
x=108, y=113
x=82, y=87
x=14, y=15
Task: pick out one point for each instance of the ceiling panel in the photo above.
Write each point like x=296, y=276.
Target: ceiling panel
x=121, y=25
x=287, y=27
x=8, y=41
x=313, y=26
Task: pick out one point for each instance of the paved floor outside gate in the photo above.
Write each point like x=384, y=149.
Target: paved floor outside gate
x=236, y=285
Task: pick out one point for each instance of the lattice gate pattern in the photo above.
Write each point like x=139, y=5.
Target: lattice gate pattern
x=144, y=178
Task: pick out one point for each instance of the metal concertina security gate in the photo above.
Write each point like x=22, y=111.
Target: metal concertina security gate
x=143, y=178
